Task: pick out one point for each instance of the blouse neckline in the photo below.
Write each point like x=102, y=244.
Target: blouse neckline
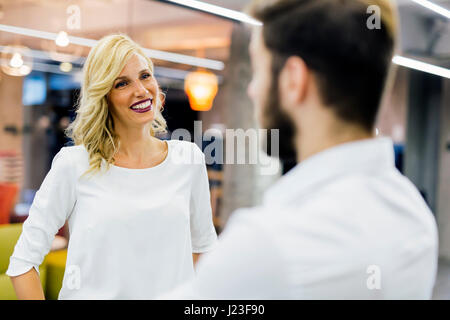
x=159, y=165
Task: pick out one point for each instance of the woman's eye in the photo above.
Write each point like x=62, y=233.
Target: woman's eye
x=120, y=84
x=146, y=75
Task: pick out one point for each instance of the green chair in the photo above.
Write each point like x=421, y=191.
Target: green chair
x=9, y=234
x=56, y=265
x=51, y=270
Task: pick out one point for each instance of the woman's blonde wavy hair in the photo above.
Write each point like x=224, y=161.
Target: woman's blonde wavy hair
x=93, y=126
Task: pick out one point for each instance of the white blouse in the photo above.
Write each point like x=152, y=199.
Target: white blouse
x=132, y=231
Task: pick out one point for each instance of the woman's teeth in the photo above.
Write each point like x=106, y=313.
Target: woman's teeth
x=143, y=105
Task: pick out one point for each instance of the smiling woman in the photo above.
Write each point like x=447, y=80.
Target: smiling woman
x=118, y=75
x=137, y=222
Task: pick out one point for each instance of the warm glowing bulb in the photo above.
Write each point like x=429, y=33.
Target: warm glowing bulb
x=65, y=66
x=201, y=88
x=200, y=92
x=16, y=60
x=62, y=39
x=24, y=70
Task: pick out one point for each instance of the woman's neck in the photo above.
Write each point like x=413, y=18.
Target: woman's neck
x=136, y=143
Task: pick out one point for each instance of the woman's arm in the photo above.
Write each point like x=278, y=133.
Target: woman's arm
x=51, y=207
x=203, y=233
x=195, y=257
x=28, y=286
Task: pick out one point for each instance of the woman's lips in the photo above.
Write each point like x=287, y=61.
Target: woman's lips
x=142, y=110
x=142, y=106
x=141, y=102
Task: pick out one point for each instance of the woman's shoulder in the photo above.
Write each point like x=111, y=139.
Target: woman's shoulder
x=72, y=155
x=187, y=151
x=75, y=151
x=184, y=144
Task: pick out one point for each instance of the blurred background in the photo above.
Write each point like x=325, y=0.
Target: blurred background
x=200, y=54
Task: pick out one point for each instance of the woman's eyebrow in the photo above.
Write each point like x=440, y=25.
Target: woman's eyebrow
x=125, y=77
x=119, y=78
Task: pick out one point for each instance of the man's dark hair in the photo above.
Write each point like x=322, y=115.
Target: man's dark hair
x=350, y=61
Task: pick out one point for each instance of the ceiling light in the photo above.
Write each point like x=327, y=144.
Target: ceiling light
x=216, y=10
x=16, y=60
x=434, y=7
x=421, y=66
x=65, y=66
x=155, y=54
x=201, y=88
x=52, y=68
x=62, y=39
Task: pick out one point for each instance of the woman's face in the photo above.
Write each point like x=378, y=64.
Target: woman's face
x=134, y=93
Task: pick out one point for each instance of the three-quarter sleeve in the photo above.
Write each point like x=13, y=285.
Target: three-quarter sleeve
x=53, y=203
x=203, y=233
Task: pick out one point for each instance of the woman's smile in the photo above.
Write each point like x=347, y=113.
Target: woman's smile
x=134, y=90
x=142, y=106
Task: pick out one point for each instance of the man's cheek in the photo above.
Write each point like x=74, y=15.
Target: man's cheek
x=251, y=89
x=258, y=111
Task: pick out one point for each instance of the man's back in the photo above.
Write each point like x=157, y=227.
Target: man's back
x=345, y=224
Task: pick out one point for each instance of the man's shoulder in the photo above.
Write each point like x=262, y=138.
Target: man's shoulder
x=390, y=191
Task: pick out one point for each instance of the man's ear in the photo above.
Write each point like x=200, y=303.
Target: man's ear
x=294, y=82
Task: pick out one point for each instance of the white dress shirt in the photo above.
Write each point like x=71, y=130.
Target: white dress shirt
x=343, y=224
x=132, y=231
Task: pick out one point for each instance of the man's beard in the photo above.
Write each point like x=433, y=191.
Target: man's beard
x=275, y=118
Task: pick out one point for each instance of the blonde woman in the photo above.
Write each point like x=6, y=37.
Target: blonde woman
x=137, y=218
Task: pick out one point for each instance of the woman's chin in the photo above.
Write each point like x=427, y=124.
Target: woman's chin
x=144, y=117
x=143, y=121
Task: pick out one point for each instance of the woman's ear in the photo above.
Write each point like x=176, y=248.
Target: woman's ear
x=162, y=99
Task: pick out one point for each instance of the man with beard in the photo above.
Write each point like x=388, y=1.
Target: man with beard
x=343, y=223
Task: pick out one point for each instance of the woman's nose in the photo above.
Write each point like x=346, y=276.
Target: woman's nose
x=140, y=90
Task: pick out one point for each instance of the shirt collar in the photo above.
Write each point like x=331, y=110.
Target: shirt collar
x=369, y=155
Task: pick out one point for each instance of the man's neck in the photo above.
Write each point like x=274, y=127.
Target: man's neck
x=315, y=140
